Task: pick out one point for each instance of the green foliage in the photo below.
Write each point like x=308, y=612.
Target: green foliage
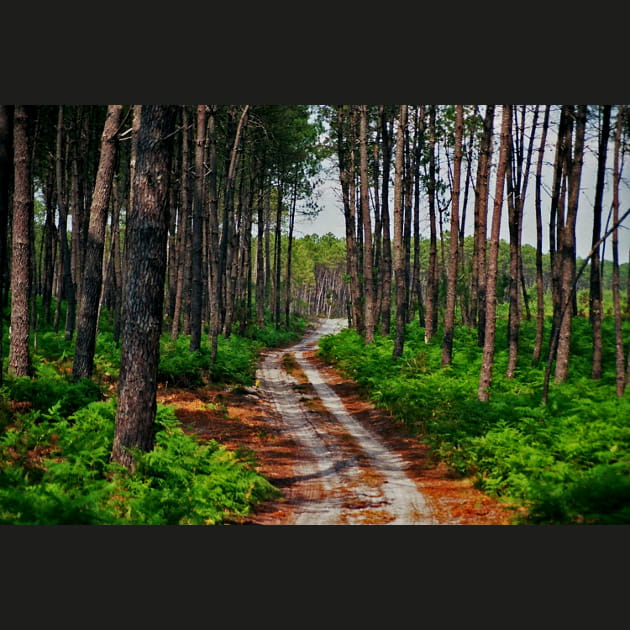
x=271, y=336
x=50, y=390
x=236, y=360
x=565, y=462
x=56, y=470
x=182, y=482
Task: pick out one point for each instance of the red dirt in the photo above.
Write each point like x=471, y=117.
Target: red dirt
x=239, y=418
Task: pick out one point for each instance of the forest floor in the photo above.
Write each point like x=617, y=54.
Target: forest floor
x=335, y=458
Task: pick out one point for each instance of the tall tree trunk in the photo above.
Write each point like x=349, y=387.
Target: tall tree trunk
x=595, y=295
x=213, y=234
x=432, y=273
x=567, y=253
x=277, y=256
x=485, y=377
x=514, y=229
x=416, y=282
x=519, y=178
x=368, y=278
x=478, y=290
x=223, y=286
x=261, y=277
x=287, y=293
x=92, y=282
x=540, y=289
x=183, y=229
x=451, y=290
x=65, y=262
x=19, y=351
x=619, y=354
x=399, y=263
x=50, y=237
x=6, y=154
x=197, y=229
x=346, y=178
x=556, y=213
x=147, y=232
x=386, y=248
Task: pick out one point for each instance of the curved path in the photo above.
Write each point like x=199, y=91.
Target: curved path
x=347, y=475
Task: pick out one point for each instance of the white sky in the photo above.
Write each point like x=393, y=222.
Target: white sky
x=331, y=217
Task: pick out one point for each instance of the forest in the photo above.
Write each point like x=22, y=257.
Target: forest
x=144, y=244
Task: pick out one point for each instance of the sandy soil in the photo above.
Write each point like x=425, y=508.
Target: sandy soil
x=336, y=459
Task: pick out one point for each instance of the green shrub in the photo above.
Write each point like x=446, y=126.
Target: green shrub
x=565, y=462
x=56, y=470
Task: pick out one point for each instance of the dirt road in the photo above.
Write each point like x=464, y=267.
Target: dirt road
x=335, y=458
x=346, y=474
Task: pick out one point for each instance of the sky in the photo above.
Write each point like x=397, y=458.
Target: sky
x=331, y=218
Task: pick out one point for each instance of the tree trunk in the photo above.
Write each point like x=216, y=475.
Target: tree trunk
x=261, y=277
x=595, y=295
x=451, y=290
x=399, y=262
x=556, y=213
x=485, y=378
x=92, y=282
x=6, y=151
x=183, y=230
x=19, y=351
x=213, y=234
x=368, y=279
x=432, y=273
x=478, y=290
x=619, y=354
x=386, y=248
x=287, y=298
x=197, y=230
x=567, y=242
x=519, y=176
x=540, y=289
x=67, y=286
x=147, y=231
x=346, y=178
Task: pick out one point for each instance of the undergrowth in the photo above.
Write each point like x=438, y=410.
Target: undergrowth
x=56, y=438
x=566, y=462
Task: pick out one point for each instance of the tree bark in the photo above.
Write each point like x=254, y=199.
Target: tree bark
x=595, y=294
x=540, y=289
x=346, y=178
x=620, y=380
x=6, y=151
x=478, y=290
x=92, y=282
x=567, y=242
x=19, y=350
x=368, y=278
x=147, y=231
x=432, y=272
x=451, y=290
x=386, y=247
x=183, y=231
x=485, y=377
x=399, y=262
x=197, y=229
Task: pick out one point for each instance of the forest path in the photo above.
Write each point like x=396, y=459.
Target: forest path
x=346, y=474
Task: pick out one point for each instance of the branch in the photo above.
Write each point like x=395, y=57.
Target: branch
x=556, y=333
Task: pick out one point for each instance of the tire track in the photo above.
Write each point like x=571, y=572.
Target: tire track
x=347, y=475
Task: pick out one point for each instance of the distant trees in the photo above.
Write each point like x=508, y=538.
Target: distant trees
x=89, y=194
x=86, y=193
x=444, y=156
